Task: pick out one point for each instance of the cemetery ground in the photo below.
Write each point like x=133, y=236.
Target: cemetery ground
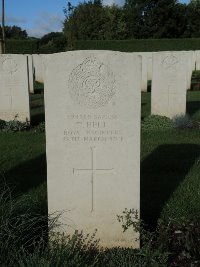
x=170, y=191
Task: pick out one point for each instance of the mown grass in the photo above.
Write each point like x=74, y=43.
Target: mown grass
x=170, y=172
x=170, y=167
x=168, y=159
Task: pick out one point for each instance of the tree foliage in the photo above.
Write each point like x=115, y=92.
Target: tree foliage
x=139, y=19
x=14, y=32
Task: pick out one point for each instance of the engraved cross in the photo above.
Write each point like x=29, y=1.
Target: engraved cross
x=169, y=93
x=93, y=171
x=10, y=96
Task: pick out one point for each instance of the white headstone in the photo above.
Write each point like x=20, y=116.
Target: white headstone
x=38, y=68
x=144, y=70
x=30, y=73
x=191, y=66
x=149, y=56
x=197, y=53
x=93, y=140
x=14, y=95
x=168, y=95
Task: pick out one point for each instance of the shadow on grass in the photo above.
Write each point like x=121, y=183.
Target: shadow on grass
x=37, y=109
x=161, y=172
x=37, y=118
x=28, y=175
x=192, y=107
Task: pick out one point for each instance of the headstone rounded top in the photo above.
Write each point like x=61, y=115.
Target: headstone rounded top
x=92, y=84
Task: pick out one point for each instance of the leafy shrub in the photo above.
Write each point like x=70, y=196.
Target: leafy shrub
x=41, y=127
x=183, y=121
x=151, y=253
x=2, y=124
x=196, y=74
x=181, y=238
x=16, y=126
x=155, y=122
x=174, y=243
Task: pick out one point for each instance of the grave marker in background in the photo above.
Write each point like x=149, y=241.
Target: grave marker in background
x=197, y=56
x=168, y=97
x=14, y=95
x=93, y=140
x=30, y=74
x=144, y=70
x=191, y=66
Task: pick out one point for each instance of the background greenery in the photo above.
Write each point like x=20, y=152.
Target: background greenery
x=146, y=45
x=138, y=25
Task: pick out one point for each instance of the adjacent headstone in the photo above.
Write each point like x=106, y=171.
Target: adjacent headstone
x=38, y=68
x=92, y=110
x=14, y=95
x=197, y=53
x=30, y=74
x=168, y=97
x=144, y=71
x=191, y=66
x=149, y=56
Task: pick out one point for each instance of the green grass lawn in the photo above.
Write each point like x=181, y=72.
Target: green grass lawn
x=170, y=163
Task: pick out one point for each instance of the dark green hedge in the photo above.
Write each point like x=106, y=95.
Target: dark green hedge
x=21, y=46
x=34, y=47
x=146, y=45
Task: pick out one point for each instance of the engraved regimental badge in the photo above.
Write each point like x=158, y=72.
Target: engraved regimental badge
x=92, y=84
x=169, y=62
x=9, y=65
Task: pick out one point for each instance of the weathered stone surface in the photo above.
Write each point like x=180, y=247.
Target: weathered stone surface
x=197, y=55
x=14, y=95
x=144, y=70
x=191, y=66
x=149, y=56
x=92, y=102
x=30, y=74
x=168, y=97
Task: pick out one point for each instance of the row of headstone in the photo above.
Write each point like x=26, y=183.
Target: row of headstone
x=168, y=81
x=92, y=111
x=93, y=134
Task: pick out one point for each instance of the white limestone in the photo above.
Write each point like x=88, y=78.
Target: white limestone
x=38, y=68
x=92, y=107
x=144, y=70
x=149, y=56
x=14, y=95
x=191, y=66
x=168, y=97
x=30, y=73
x=197, y=53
